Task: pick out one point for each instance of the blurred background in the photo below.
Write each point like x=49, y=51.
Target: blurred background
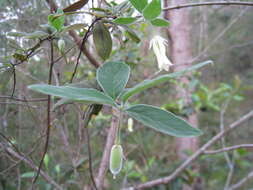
x=210, y=98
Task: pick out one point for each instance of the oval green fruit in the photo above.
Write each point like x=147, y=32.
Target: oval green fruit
x=102, y=40
x=116, y=159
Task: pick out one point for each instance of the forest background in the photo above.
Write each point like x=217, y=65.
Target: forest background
x=47, y=147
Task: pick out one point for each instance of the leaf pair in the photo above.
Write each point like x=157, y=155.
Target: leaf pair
x=150, y=11
x=113, y=77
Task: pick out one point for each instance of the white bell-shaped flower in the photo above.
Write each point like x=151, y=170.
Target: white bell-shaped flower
x=158, y=44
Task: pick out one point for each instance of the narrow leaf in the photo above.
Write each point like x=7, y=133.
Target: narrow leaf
x=131, y=34
x=139, y=4
x=158, y=80
x=102, y=40
x=160, y=22
x=125, y=20
x=162, y=121
x=152, y=10
x=73, y=93
x=74, y=27
x=113, y=77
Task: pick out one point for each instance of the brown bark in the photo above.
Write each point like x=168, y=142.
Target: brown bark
x=180, y=44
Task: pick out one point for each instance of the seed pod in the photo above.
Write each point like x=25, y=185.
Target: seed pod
x=102, y=40
x=61, y=45
x=130, y=123
x=116, y=159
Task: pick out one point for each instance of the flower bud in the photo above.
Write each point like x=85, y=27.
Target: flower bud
x=61, y=45
x=116, y=159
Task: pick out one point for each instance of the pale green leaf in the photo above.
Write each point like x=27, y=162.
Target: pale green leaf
x=160, y=22
x=158, y=80
x=72, y=93
x=162, y=121
x=113, y=77
x=124, y=20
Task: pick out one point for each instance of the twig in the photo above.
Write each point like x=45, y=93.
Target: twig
x=229, y=148
x=220, y=35
x=33, y=166
x=32, y=50
x=243, y=3
x=193, y=157
x=48, y=112
x=85, y=38
x=229, y=160
x=14, y=79
x=87, y=118
x=106, y=154
x=242, y=181
x=19, y=104
x=24, y=100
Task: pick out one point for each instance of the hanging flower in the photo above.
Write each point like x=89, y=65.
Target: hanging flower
x=158, y=44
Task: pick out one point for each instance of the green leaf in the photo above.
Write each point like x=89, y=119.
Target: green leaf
x=163, y=121
x=28, y=175
x=33, y=35
x=113, y=77
x=131, y=34
x=57, y=21
x=158, y=80
x=72, y=93
x=139, y=4
x=125, y=20
x=74, y=27
x=152, y=10
x=102, y=40
x=160, y=22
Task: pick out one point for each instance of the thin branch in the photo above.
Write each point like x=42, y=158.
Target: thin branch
x=241, y=182
x=14, y=79
x=226, y=149
x=87, y=118
x=76, y=38
x=219, y=35
x=187, y=5
x=48, y=111
x=19, y=104
x=24, y=100
x=82, y=47
x=33, y=166
x=193, y=157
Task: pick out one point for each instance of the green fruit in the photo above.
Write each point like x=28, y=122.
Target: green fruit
x=102, y=40
x=116, y=159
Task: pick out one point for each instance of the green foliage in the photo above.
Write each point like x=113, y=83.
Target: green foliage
x=113, y=77
x=158, y=80
x=162, y=121
x=125, y=20
x=72, y=93
x=57, y=20
x=160, y=22
x=139, y=4
x=152, y=10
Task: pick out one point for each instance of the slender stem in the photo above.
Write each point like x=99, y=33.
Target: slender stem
x=187, y=5
x=226, y=149
x=87, y=119
x=48, y=113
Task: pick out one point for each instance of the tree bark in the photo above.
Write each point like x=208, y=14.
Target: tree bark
x=180, y=46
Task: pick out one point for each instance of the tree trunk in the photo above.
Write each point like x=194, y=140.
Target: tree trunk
x=180, y=46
